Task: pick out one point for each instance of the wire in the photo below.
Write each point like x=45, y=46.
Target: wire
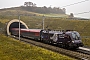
x=82, y=13
x=75, y=3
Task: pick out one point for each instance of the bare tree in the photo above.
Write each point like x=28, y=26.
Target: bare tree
x=64, y=10
x=25, y=4
x=28, y=4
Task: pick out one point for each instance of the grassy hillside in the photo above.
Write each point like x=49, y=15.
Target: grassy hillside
x=55, y=23
x=32, y=11
x=11, y=49
x=14, y=13
x=18, y=12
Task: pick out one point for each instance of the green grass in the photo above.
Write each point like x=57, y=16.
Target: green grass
x=86, y=41
x=11, y=49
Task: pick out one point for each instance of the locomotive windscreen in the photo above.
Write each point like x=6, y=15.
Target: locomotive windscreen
x=76, y=35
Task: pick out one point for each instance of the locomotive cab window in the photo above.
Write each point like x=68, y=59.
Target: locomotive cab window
x=76, y=35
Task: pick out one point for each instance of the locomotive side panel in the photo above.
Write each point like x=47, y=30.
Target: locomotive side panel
x=31, y=34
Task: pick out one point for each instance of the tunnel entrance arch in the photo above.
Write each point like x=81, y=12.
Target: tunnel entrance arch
x=15, y=24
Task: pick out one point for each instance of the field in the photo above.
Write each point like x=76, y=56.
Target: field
x=11, y=49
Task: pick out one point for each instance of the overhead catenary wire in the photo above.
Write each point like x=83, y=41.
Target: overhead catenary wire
x=74, y=3
x=82, y=13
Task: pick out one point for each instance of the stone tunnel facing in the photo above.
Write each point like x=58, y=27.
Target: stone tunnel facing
x=15, y=24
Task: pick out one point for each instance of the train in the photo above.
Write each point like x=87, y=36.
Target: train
x=65, y=39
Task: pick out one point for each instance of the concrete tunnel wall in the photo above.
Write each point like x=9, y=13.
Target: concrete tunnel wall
x=15, y=24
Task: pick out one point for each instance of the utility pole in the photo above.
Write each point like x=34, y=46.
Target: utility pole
x=19, y=27
x=43, y=21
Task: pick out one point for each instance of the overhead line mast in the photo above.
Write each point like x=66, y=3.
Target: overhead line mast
x=19, y=27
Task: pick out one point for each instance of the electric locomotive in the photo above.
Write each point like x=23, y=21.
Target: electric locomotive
x=67, y=39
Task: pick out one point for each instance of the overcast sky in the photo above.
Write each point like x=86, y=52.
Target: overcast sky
x=77, y=8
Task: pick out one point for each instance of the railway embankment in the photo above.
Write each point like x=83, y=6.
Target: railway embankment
x=74, y=54
x=12, y=49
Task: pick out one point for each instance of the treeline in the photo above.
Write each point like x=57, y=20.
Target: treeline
x=44, y=10
x=30, y=6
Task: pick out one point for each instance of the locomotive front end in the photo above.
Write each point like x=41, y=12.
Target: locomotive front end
x=76, y=39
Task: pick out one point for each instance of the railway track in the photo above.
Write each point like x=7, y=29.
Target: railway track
x=83, y=50
x=74, y=54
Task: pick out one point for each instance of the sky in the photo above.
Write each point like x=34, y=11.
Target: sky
x=75, y=9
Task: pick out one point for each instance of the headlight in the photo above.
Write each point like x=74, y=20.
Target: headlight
x=72, y=41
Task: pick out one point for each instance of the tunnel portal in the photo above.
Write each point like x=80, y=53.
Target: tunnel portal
x=15, y=24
